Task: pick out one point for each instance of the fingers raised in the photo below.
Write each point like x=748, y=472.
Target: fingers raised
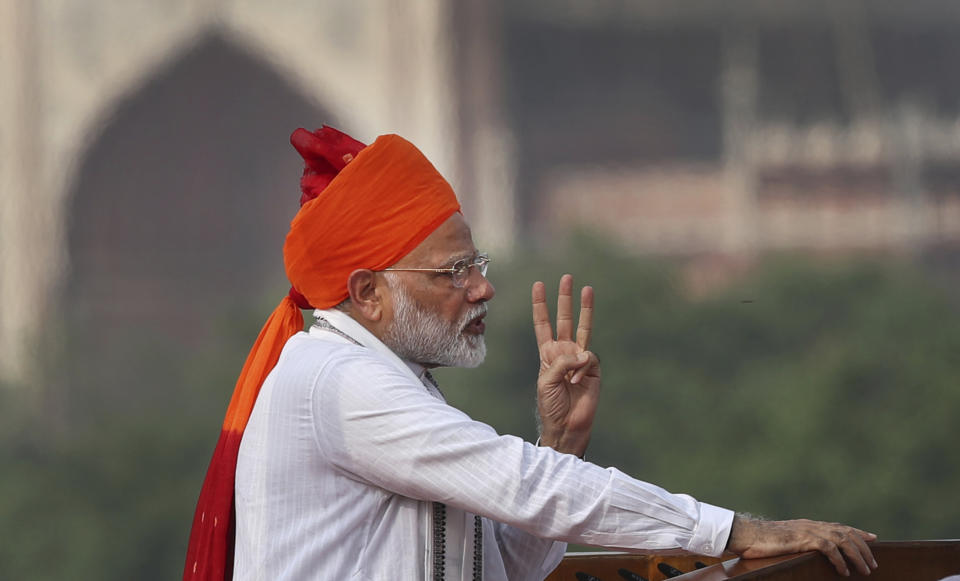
x=585, y=326
x=565, y=309
x=541, y=314
x=542, y=327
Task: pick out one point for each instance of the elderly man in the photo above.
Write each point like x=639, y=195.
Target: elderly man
x=345, y=461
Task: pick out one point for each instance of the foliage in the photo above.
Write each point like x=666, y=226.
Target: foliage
x=806, y=390
x=831, y=395
x=100, y=482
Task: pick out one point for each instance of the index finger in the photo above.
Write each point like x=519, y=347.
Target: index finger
x=541, y=314
x=585, y=325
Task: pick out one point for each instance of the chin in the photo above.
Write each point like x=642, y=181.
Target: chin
x=473, y=363
x=473, y=355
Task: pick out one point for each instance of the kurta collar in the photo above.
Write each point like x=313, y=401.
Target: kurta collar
x=358, y=332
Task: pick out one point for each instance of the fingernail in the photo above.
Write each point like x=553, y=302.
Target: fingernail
x=582, y=356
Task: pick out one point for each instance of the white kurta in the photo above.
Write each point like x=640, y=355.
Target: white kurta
x=347, y=449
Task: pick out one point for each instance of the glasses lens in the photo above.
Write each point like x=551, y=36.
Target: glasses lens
x=461, y=271
x=482, y=263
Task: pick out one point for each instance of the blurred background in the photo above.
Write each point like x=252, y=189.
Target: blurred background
x=765, y=195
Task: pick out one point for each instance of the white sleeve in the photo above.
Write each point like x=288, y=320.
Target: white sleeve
x=378, y=424
x=525, y=556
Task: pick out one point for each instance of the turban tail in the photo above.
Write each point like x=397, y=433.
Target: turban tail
x=361, y=207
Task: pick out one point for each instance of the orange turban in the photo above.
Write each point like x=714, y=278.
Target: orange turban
x=362, y=207
x=381, y=206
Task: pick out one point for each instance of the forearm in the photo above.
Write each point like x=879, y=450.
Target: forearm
x=390, y=433
x=743, y=533
x=544, y=493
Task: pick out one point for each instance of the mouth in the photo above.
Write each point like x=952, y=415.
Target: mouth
x=476, y=326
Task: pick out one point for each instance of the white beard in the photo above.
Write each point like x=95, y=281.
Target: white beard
x=422, y=336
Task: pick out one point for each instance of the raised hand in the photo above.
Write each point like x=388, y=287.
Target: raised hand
x=752, y=538
x=568, y=387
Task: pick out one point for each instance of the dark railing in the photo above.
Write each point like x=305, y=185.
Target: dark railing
x=898, y=560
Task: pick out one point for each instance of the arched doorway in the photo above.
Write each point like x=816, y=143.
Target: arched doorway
x=175, y=241
x=183, y=200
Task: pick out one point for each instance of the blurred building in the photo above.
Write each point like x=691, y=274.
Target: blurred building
x=147, y=178
x=736, y=128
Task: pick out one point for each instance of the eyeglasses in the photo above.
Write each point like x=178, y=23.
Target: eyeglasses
x=459, y=272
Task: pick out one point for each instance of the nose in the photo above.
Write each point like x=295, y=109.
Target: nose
x=479, y=287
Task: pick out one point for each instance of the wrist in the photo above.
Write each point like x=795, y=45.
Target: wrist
x=575, y=444
x=743, y=533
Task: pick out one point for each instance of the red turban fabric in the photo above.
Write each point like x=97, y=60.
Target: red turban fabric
x=361, y=207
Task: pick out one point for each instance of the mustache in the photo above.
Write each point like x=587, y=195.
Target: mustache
x=475, y=312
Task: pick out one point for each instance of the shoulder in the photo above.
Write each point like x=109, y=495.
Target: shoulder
x=334, y=366
x=307, y=357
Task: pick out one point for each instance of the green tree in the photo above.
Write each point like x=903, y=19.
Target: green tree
x=833, y=395
x=807, y=389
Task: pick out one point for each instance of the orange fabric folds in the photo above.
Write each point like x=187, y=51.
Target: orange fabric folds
x=362, y=207
x=210, y=551
x=379, y=208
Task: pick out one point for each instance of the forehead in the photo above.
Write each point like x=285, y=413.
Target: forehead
x=450, y=241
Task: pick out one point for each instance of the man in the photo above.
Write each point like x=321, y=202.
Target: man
x=348, y=463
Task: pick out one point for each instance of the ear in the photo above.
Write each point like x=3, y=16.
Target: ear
x=365, y=300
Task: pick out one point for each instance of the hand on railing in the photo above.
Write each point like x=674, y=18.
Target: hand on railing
x=751, y=538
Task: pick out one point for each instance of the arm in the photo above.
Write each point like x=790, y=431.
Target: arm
x=568, y=386
x=567, y=392
x=565, y=409
x=377, y=424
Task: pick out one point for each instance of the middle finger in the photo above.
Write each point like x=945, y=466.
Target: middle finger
x=858, y=552
x=565, y=309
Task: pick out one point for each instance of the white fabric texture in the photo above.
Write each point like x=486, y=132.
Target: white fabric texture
x=347, y=448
